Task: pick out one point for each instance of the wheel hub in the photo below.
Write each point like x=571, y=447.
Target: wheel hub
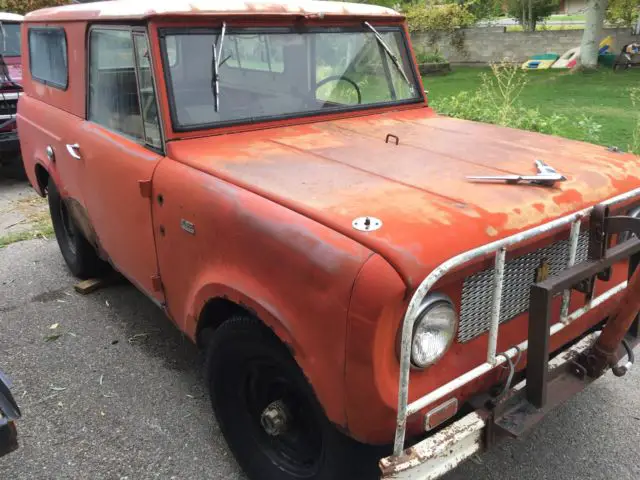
x=274, y=418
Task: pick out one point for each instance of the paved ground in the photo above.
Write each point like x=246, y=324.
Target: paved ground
x=114, y=392
x=20, y=206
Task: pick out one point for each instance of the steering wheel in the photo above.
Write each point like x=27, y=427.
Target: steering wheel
x=337, y=78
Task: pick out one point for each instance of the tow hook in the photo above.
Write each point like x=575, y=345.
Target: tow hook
x=621, y=370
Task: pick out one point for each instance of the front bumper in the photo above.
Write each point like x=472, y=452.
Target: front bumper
x=481, y=429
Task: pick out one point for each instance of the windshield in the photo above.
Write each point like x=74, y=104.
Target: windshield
x=247, y=74
x=10, y=39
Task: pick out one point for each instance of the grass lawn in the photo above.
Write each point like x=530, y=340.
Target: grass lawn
x=602, y=95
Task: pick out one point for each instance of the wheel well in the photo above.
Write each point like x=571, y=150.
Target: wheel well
x=215, y=312
x=42, y=176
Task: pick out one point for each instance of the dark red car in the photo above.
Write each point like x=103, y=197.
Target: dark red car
x=10, y=91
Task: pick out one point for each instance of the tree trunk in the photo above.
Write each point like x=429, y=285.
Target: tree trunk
x=592, y=32
x=532, y=25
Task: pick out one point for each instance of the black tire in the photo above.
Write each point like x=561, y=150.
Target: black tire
x=78, y=253
x=250, y=372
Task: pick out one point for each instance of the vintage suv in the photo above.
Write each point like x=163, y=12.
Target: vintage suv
x=271, y=176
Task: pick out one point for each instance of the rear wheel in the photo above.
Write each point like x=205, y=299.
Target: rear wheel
x=78, y=253
x=268, y=412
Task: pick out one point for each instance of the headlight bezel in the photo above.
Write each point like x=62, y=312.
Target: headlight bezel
x=431, y=301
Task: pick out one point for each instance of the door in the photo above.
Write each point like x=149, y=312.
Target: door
x=120, y=146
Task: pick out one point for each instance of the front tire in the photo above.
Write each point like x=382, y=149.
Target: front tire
x=78, y=253
x=269, y=414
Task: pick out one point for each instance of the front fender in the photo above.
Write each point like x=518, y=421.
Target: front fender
x=295, y=274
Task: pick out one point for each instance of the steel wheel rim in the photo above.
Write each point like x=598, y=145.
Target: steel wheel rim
x=298, y=450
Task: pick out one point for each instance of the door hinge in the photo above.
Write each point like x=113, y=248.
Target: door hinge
x=156, y=283
x=145, y=188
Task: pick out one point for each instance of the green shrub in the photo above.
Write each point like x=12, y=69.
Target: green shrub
x=496, y=101
x=424, y=56
x=438, y=18
x=25, y=6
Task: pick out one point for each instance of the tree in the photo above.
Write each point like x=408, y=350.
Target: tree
x=623, y=13
x=529, y=12
x=25, y=6
x=592, y=32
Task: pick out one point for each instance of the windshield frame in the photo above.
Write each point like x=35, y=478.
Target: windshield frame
x=164, y=31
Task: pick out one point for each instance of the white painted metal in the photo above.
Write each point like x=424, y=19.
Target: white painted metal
x=574, y=236
x=498, y=276
x=423, y=289
x=10, y=17
x=480, y=370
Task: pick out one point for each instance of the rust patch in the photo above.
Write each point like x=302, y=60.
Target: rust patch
x=568, y=197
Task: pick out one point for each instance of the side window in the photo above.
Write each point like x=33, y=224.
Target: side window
x=147, y=91
x=48, y=56
x=113, y=88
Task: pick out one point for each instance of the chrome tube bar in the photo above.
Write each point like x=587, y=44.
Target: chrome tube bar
x=498, y=276
x=435, y=276
x=574, y=236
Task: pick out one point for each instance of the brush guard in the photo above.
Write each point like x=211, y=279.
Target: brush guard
x=548, y=382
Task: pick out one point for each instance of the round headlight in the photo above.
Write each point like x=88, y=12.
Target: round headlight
x=433, y=330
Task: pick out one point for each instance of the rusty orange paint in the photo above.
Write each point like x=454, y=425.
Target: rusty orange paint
x=272, y=205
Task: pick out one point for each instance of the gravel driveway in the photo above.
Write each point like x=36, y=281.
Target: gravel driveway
x=115, y=392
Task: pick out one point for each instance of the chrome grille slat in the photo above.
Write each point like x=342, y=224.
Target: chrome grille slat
x=519, y=274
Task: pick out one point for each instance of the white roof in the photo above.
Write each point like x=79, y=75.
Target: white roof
x=10, y=17
x=147, y=8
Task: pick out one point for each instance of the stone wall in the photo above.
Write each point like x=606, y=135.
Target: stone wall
x=493, y=44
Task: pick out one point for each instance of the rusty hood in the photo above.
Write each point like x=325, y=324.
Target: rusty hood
x=334, y=171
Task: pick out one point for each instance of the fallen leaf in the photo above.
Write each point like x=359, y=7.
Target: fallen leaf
x=60, y=404
x=57, y=389
x=101, y=378
x=51, y=338
x=54, y=326
x=106, y=302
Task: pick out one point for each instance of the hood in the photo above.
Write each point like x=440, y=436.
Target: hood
x=335, y=171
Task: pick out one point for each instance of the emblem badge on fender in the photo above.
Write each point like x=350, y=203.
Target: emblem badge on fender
x=187, y=226
x=543, y=271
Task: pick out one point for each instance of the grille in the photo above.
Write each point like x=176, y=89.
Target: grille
x=8, y=107
x=519, y=274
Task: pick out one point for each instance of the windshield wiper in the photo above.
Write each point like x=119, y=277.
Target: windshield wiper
x=392, y=56
x=215, y=67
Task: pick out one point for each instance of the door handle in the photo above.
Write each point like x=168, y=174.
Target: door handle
x=73, y=150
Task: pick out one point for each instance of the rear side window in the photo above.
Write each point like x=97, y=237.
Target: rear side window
x=48, y=56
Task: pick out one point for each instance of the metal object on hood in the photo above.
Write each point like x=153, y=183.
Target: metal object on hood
x=547, y=176
x=366, y=224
